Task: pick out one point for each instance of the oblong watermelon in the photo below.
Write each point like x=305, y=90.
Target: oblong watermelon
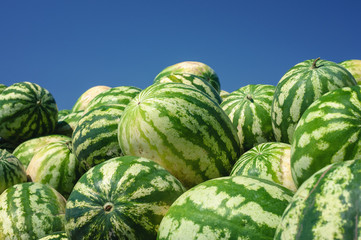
x=182, y=129
x=237, y=207
x=326, y=206
x=299, y=88
x=122, y=198
x=27, y=110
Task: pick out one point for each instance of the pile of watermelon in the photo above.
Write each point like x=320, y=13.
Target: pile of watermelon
x=184, y=159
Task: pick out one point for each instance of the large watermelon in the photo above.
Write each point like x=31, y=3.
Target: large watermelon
x=82, y=103
x=193, y=80
x=95, y=137
x=271, y=161
x=237, y=207
x=55, y=165
x=192, y=67
x=26, y=150
x=27, y=110
x=328, y=131
x=249, y=108
x=182, y=129
x=116, y=95
x=11, y=170
x=30, y=211
x=122, y=198
x=299, y=87
x=2, y=87
x=326, y=206
x=67, y=123
x=354, y=67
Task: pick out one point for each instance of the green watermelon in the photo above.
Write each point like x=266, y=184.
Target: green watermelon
x=271, y=161
x=63, y=113
x=192, y=67
x=224, y=94
x=122, y=198
x=234, y=207
x=328, y=131
x=95, y=137
x=299, y=87
x=117, y=95
x=55, y=165
x=354, y=67
x=249, y=109
x=27, y=110
x=26, y=150
x=182, y=129
x=326, y=206
x=2, y=87
x=11, y=170
x=82, y=103
x=56, y=236
x=31, y=211
x=193, y=80
x=67, y=123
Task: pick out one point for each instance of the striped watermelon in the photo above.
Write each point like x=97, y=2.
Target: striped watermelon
x=27, y=110
x=56, y=236
x=26, y=150
x=11, y=170
x=269, y=161
x=122, y=198
x=354, y=67
x=55, y=165
x=95, y=137
x=67, y=123
x=326, y=206
x=30, y=211
x=249, y=109
x=193, y=80
x=224, y=94
x=87, y=96
x=328, y=131
x=63, y=113
x=192, y=67
x=301, y=86
x=237, y=207
x=182, y=129
x=2, y=87
x=117, y=95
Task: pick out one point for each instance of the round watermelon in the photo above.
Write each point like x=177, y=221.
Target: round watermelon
x=354, y=67
x=27, y=110
x=326, y=206
x=328, y=131
x=122, y=198
x=67, y=123
x=182, y=129
x=236, y=207
x=82, y=103
x=299, y=88
x=249, y=109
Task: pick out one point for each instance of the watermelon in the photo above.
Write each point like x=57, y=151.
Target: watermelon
x=31, y=211
x=8, y=146
x=55, y=165
x=56, y=236
x=87, y=96
x=193, y=80
x=63, y=113
x=299, y=87
x=354, y=67
x=326, y=206
x=27, y=110
x=11, y=170
x=193, y=67
x=328, y=131
x=224, y=94
x=249, y=109
x=95, y=137
x=26, y=150
x=271, y=161
x=122, y=198
x=233, y=207
x=67, y=123
x=116, y=95
x=182, y=129
x=2, y=87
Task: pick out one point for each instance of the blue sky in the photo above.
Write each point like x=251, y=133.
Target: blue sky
x=68, y=47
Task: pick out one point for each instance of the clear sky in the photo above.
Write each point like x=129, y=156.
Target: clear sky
x=68, y=47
